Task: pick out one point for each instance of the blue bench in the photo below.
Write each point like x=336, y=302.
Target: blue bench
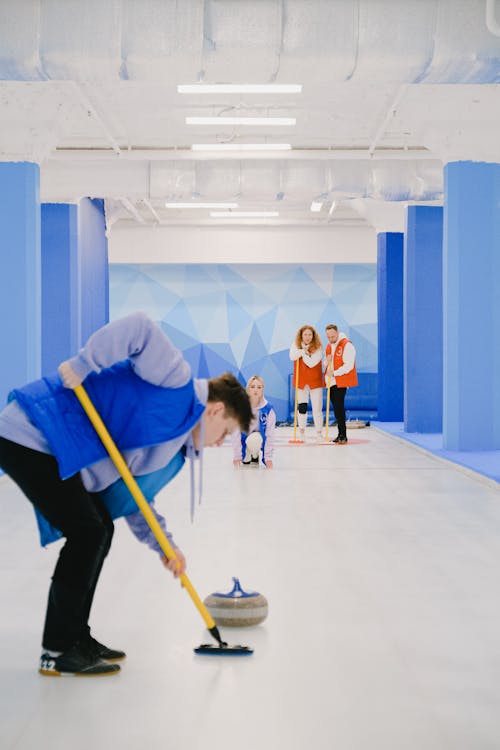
x=361, y=402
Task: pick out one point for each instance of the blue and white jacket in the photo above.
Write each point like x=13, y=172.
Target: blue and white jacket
x=264, y=421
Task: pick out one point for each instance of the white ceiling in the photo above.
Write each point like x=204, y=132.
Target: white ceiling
x=392, y=90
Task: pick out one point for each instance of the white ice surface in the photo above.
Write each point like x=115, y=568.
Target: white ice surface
x=380, y=565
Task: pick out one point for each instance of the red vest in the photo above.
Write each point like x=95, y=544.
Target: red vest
x=311, y=376
x=350, y=379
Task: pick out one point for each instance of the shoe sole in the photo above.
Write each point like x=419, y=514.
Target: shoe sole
x=49, y=673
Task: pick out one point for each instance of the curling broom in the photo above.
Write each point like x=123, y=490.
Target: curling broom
x=295, y=410
x=327, y=406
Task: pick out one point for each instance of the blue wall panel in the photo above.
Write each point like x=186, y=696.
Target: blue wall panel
x=20, y=275
x=94, y=272
x=244, y=317
x=423, y=319
x=390, y=326
x=75, y=288
x=60, y=296
x=471, y=365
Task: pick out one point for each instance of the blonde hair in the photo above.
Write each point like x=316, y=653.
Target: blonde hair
x=316, y=341
x=250, y=381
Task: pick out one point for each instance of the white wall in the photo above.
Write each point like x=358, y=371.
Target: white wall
x=242, y=244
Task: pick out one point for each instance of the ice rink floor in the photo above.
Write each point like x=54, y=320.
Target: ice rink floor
x=381, y=565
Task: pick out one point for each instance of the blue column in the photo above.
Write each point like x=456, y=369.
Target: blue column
x=471, y=319
x=75, y=277
x=94, y=271
x=423, y=319
x=60, y=284
x=390, y=326
x=20, y=276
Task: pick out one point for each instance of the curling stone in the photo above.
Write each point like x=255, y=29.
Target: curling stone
x=238, y=608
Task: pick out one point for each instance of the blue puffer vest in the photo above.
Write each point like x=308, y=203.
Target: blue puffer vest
x=117, y=497
x=263, y=412
x=136, y=413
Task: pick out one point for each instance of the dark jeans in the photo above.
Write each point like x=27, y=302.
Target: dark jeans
x=83, y=519
x=337, y=397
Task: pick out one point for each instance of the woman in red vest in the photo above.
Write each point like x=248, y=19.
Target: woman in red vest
x=306, y=352
x=340, y=368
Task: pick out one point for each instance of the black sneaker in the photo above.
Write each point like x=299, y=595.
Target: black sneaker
x=103, y=652
x=78, y=661
x=254, y=461
x=336, y=440
x=341, y=441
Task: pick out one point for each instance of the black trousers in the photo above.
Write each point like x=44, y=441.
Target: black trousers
x=337, y=397
x=84, y=521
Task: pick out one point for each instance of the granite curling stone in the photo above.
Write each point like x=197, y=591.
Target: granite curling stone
x=238, y=608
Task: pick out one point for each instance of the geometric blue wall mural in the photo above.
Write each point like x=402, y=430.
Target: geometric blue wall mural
x=242, y=318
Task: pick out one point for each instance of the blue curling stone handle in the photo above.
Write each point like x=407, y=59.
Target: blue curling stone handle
x=237, y=592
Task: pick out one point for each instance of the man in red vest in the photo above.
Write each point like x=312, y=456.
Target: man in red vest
x=340, y=372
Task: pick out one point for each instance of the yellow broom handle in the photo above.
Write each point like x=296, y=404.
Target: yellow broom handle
x=296, y=399
x=327, y=405
x=139, y=498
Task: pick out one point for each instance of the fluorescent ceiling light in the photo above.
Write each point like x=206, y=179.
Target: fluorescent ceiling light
x=316, y=206
x=240, y=88
x=240, y=121
x=241, y=147
x=201, y=205
x=242, y=214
